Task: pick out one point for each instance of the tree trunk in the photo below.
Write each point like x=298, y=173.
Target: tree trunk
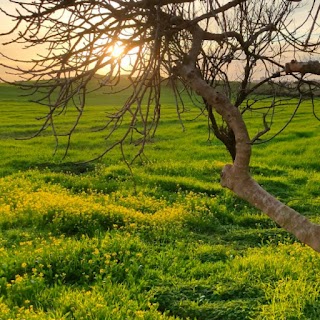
x=245, y=187
x=237, y=178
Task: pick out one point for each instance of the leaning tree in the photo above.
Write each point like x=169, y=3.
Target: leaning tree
x=205, y=46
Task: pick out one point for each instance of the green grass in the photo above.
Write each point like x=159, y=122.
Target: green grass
x=91, y=241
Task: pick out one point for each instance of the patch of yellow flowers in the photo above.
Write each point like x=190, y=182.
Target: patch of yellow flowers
x=22, y=201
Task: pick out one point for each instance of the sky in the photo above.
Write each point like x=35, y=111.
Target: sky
x=16, y=51
x=13, y=50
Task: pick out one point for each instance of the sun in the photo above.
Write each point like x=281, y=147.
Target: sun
x=118, y=54
x=117, y=50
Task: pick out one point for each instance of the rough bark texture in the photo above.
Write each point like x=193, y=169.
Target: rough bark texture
x=237, y=178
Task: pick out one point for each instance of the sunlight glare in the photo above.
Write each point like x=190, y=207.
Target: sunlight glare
x=117, y=50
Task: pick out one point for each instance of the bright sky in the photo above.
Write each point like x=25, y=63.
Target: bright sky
x=5, y=24
x=12, y=50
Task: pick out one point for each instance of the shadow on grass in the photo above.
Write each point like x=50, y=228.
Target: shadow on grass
x=282, y=190
x=244, y=237
x=64, y=167
x=205, y=302
x=265, y=171
x=68, y=167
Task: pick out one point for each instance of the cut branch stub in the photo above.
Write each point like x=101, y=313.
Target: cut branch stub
x=312, y=67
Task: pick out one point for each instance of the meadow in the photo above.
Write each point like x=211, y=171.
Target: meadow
x=92, y=241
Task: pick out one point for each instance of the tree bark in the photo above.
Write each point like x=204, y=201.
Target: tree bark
x=248, y=189
x=236, y=176
x=303, y=67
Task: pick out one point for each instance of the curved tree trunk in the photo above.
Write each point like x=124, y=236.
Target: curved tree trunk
x=236, y=177
x=248, y=189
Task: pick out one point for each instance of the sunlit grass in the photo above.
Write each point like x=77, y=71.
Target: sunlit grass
x=91, y=241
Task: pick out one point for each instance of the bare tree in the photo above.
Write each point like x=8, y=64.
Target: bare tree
x=207, y=46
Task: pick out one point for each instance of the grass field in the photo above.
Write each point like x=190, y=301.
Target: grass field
x=91, y=241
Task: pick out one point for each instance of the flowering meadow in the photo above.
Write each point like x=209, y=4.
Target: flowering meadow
x=95, y=241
